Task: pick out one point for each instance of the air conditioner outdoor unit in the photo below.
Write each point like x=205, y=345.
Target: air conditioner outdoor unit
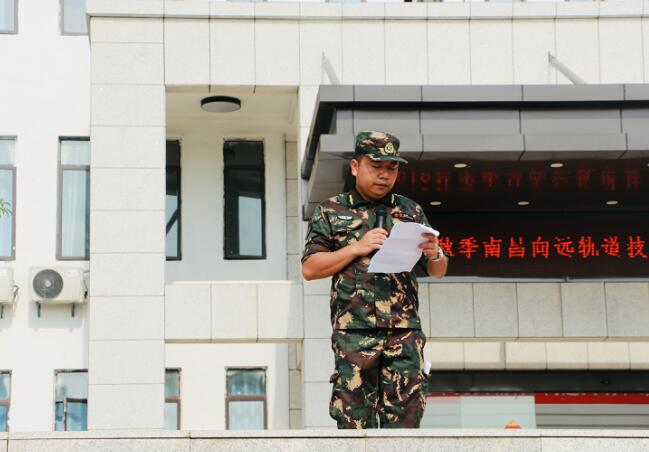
x=58, y=285
x=7, y=286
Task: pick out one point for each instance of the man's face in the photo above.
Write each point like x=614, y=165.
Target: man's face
x=374, y=180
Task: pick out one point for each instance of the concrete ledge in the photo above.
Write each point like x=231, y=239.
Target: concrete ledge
x=325, y=433
x=353, y=11
x=269, y=311
x=330, y=439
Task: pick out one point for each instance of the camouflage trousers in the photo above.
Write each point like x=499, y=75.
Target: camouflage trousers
x=379, y=372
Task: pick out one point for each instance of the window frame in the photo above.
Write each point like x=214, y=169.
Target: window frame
x=62, y=22
x=176, y=399
x=12, y=168
x=15, y=30
x=7, y=402
x=66, y=399
x=263, y=255
x=250, y=398
x=179, y=250
x=59, y=202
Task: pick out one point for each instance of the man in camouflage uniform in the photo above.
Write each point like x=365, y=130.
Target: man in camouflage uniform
x=377, y=338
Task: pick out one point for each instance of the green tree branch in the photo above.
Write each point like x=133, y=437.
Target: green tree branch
x=4, y=207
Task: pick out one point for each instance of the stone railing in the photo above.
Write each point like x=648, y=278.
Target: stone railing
x=330, y=440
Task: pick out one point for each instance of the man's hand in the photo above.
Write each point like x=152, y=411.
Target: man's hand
x=430, y=248
x=324, y=264
x=372, y=240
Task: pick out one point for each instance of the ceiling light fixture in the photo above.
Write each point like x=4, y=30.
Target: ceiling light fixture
x=556, y=165
x=611, y=202
x=460, y=165
x=523, y=203
x=436, y=203
x=220, y=104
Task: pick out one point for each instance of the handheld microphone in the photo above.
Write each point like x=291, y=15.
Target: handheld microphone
x=381, y=215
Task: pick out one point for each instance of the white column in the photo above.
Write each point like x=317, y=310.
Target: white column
x=127, y=215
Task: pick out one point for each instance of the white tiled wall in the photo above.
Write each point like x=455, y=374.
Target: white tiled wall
x=449, y=52
x=491, y=52
x=187, y=52
x=533, y=39
x=363, y=44
x=277, y=52
x=232, y=52
x=539, y=310
x=576, y=48
x=406, y=50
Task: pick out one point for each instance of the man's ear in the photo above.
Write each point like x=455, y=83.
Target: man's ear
x=353, y=165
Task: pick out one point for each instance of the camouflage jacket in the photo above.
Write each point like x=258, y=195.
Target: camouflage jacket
x=360, y=299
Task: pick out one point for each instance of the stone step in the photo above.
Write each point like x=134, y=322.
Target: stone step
x=325, y=440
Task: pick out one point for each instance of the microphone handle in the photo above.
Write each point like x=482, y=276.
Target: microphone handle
x=380, y=221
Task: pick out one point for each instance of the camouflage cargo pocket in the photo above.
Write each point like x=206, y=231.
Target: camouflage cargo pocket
x=335, y=407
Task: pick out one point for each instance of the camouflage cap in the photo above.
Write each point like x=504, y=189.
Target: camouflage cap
x=378, y=146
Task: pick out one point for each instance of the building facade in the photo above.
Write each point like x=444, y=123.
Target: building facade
x=186, y=225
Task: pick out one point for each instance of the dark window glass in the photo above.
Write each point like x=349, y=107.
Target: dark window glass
x=4, y=414
x=172, y=201
x=246, y=399
x=5, y=381
x=74, y=207
x=74, y=17
x=246, y=381
x=7, y=16
x=6, y=216
x=77, y=415
x=172, y=399
x=244, y=200
x=71, y=401
x=7, y=197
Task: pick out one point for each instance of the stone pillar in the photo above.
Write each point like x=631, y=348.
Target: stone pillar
x=318, y=360
x=294, y=238
x=296, y=413
x=127, y=222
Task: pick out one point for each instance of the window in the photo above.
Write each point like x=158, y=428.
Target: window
x=246, y=399
x=7, y=199
x=244, y=200
x=5, y=388
x=172, y=399
x=74, y=199
x=8, y=16
x=172, y=202
x=71, y=400
x=73, y=17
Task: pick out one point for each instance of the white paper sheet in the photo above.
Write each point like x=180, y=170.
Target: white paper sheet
x=400, y=252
